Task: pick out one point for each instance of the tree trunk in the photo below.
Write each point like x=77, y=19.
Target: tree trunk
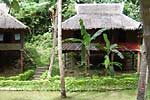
x=54, y=21
x=142, y=77
x=145, y=6
x=61, y=66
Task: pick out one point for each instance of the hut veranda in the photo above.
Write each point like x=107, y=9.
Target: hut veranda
x=122, y=30
x=11, y=42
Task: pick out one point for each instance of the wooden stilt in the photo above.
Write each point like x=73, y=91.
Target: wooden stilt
x=138, y=61
x=21, y=61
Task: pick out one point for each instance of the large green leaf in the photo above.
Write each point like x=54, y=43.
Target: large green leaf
x=83, y=29
x=85, y=34
x=100, y=47
x=106, y=41
x=73, y=40
x=117, y=64
x=98, y=33
x=87, y=40
x=107, y=61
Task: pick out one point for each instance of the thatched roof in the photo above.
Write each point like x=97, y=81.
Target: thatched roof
x=107, y=15
x=9, y=22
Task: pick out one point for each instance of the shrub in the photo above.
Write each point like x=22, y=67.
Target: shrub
x=100, y=84
x=75, y=84
x=21, y=77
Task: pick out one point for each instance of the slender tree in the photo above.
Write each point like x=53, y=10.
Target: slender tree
x=54, y=21
x=61, y=65
x=145, y=13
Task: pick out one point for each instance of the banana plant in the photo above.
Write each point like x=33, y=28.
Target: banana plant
x=86, y=42
x=110, y=49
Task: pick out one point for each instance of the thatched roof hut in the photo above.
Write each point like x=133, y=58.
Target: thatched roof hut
x=106, y=15
x=122, y=30
x=97, y=16
x=11, y=40
x=8, y=22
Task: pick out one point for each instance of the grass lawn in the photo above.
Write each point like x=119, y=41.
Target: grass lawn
x=48, y=95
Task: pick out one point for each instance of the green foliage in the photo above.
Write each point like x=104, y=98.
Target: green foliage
x=39, y=48
x=21, y=77
x=44, y=75
x=68, y=9
x=13, y=4
x=77, y=84
x=148, y=92
x=34, y=15
x=55, y=73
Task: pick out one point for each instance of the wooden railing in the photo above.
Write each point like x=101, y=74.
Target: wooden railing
x=10, y=46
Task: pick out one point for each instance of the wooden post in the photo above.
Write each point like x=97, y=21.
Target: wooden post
x=21, y=61
x=138, y=61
